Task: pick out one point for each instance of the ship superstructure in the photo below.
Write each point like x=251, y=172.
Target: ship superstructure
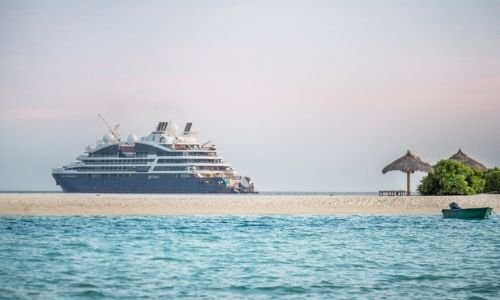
x=165, y=161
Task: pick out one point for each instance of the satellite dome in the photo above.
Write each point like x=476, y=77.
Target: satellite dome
x=132, y=138
x=108, y=138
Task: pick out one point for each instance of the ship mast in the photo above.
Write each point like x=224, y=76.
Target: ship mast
x=113, y=131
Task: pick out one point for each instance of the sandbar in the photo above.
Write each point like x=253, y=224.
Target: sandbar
x=62, y=204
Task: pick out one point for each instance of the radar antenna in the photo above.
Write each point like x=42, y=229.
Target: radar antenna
x=113, y=131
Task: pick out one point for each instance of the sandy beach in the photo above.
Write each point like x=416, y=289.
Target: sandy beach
x=59, y=204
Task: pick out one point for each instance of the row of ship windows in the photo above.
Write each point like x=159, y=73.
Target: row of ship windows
x=144, y=161
x=131, y=169
x=104, y=154
x=201, y=168
x=119, y=161
x=149, y=177
x=185, y=153
x=185, y=161
x=145, y=154
x=143, y=168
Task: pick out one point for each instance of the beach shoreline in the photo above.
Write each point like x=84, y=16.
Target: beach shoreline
x=59, y=204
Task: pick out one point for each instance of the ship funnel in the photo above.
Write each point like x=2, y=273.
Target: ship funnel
x=162, y=126
x=187, y=128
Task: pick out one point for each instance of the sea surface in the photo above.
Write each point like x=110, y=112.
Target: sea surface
x=261, y=257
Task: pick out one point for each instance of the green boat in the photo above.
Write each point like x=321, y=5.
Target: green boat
x=467, y=213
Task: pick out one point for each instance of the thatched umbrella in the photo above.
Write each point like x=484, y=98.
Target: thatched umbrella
x=464, y=158
x=410, y=163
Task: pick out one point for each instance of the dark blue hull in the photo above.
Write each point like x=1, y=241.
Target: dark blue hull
x=139, y=183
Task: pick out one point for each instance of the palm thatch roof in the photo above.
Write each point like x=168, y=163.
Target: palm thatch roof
x=465, y=159
x=409, y=163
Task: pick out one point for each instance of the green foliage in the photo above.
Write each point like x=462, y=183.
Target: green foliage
x=492, y=178
x=451, y=177
x=477, y=183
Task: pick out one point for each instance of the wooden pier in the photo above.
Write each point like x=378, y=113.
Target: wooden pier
x=393, y=193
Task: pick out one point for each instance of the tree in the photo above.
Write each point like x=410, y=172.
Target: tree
x=451, y=177
x=492, y=178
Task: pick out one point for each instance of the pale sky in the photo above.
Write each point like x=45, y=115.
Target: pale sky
x=299, y=95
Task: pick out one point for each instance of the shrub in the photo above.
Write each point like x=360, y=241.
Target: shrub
x=492, y=178
x=451, y=177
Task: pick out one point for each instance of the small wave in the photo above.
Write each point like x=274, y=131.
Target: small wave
x=324, y=284
x=427, y=277
x=278, y=289
x=283, y=289
x=167, y=259
x=239, y=287
x=84, y=285
x=90, y=294
x=489, y=288
x=77, y=245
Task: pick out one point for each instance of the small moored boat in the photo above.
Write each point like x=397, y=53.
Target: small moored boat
x=457, y=212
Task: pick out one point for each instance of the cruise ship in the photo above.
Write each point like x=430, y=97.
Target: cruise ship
x=165, y=161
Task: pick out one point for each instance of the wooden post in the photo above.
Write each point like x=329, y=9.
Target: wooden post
x=407, y=183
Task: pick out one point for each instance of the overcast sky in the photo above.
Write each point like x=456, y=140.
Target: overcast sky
x=299, y=95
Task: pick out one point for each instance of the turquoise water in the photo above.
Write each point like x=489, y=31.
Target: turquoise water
x=341, y=257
